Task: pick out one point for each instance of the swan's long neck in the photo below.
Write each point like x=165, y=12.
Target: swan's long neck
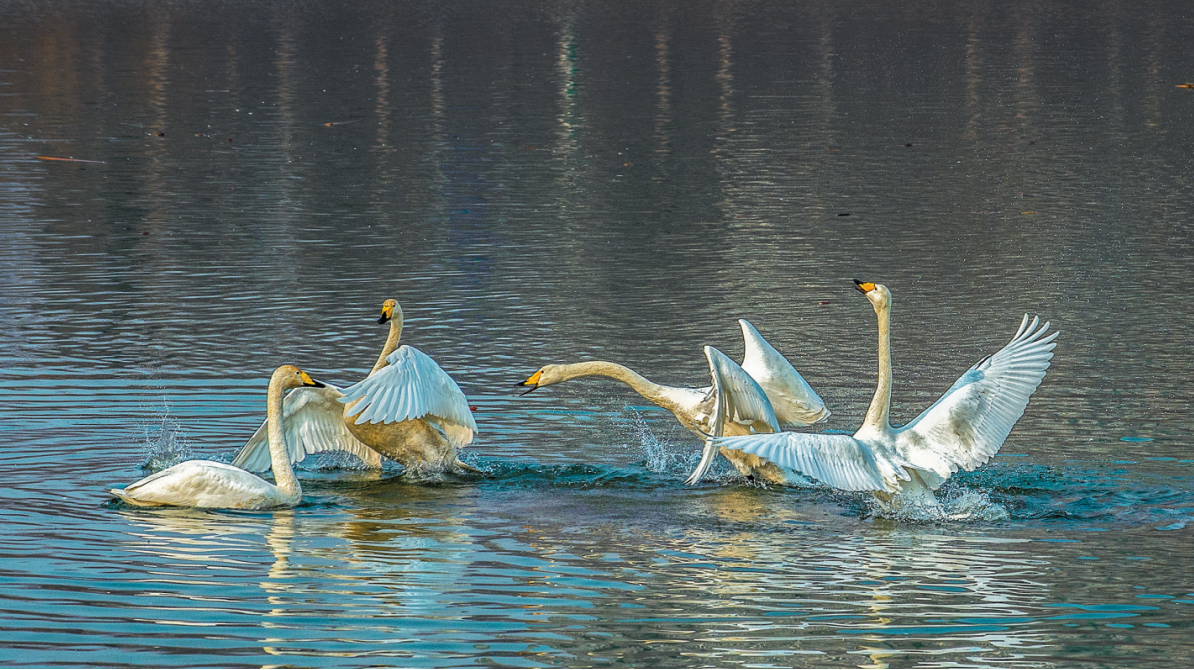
x=877, y=417
x=656, y=393
x=391, y=342
x=279, y=458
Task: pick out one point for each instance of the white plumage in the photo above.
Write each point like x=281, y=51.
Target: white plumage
x=759, y=396
x=210, y=484
x=407, y=409
x=314, y=423
x=413, y=386
x=963, y=429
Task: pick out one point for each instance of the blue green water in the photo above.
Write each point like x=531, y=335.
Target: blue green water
x=544, y=182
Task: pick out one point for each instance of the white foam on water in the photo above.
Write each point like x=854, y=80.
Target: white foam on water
x=956, y=504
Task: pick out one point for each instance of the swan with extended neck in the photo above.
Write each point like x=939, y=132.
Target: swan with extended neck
x=963, y=429
x=209, y=484
x=407, y=409
x=762, y=395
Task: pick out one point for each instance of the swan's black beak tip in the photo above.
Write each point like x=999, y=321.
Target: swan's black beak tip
x=864, y=286
x=532, y=381
x=383, y=319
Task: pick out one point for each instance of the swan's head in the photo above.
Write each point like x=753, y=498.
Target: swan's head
x=545, y=376
x=878, y=294
x=291, y=377
x=389, y=309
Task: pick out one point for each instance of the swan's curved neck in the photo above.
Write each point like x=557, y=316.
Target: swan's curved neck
x=279, y=458
x=648, y=389
x=391, y=342
x=877, y=417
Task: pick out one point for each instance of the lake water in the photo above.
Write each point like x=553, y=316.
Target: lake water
x=546, y=182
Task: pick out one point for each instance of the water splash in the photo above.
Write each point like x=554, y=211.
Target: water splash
x=659, y=455
x=951, y=504
x=164, y=442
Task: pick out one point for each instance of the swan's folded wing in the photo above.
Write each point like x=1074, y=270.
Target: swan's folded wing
x=312, y=421
x=837, y=460
x=736, y=397
x=794, y=401
x=968, y=424
x=413, y=386
x=196, y=484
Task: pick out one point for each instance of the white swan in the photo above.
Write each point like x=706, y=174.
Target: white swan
x=407, y=409
x=215, y=485
x=760, y=396
x=903, y=466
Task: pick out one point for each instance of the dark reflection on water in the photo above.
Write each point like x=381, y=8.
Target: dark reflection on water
x=552, y=181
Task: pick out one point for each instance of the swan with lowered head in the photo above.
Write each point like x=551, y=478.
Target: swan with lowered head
x=215, y=485
x=407, y=409
x=762, y=395
x=903, y=466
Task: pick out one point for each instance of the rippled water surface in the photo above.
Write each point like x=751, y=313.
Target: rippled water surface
x=557, y=181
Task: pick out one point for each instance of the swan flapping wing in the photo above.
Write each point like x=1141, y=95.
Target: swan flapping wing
x=968, y=424
x=413, y=386
x=841, y=461
x=313, y=421
x=741, y=398
x=737, y=397
x=794, y=401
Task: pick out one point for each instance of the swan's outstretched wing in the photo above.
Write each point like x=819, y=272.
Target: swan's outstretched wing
x=840, y=461
x=413, y=386
x=968, y=424
x=313, y=421
x=736, y=397
x=794, y=401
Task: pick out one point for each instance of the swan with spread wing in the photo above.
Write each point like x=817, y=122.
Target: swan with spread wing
x=962, y=430
x=214, y=485
x=762, y=395
x=407, y=409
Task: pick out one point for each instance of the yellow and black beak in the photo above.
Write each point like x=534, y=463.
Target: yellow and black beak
x=307, y=381
x=864, y=286
x=532, y=381
x=387, y=313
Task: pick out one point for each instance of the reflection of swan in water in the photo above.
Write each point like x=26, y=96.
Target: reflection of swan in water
x=760, y=396
x=903, y=466
x=407, y=409
x=215, y=485
x=304, y=579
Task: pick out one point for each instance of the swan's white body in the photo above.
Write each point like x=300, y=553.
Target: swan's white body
x=760, y=396
x=903, y=466
x=407, y=409
x=221, y=486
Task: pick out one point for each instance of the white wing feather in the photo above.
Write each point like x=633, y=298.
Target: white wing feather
x=794, y=401
x=837, y=460
x=413, y=386
x=737, y=397
x=969, y=423
x=313, y=422
x=743, y=400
